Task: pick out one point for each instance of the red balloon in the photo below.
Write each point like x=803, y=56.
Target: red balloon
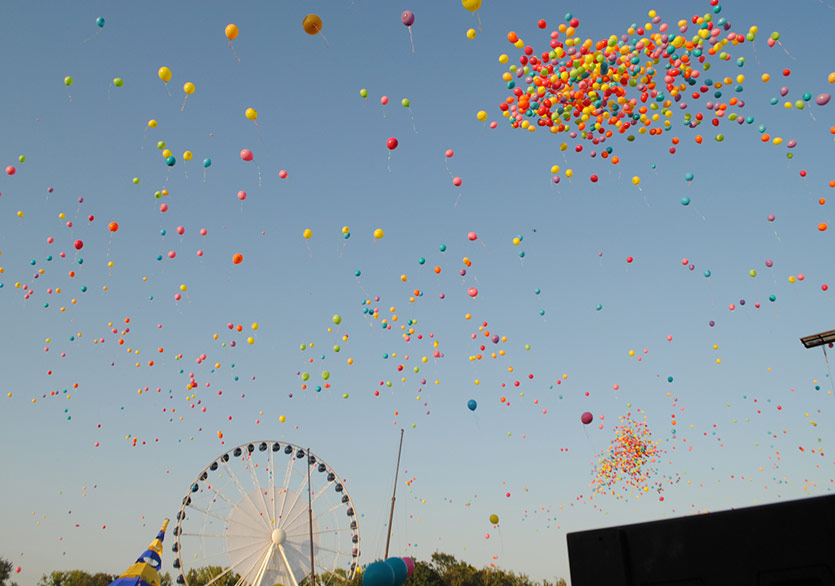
x=472, y=291
x=472, y=236
x=586, y=418
x=78, y=245
x=392, y=143
x=246, y=155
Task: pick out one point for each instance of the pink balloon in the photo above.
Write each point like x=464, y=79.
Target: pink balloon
x=171, y=254
x=203, y=231
x=242, y=195
x=163, y=207
x=472, y=291
x=246, y=155
x=10, y=170
x=180, y=230
x=282, y=174
x=456, y=181
x=823, y=99
x=384, y=100
x=472, y=236
x=410, y=565
x=448, y=154
x=586, y=418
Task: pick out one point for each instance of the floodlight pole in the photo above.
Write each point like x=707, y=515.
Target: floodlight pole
x=393, y=493
x=310, y=520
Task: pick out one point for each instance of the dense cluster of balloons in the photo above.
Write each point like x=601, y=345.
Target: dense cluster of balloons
x=392, y=572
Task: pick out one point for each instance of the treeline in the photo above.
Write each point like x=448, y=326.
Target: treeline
x=442, y=570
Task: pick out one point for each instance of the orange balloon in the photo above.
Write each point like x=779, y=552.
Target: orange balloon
x=113, y=226
x=238, y=258
x=312, y=24
x=822, y=227
x=231, y=32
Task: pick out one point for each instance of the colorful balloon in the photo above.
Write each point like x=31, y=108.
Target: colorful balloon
x=471, y=5
x=251, y=114
x=472, y=404
x=392, y=143
x=231, y=32
x=407, y=18
x=586, y=418
x=164, y=74
x=312, y=24
x=246, y=155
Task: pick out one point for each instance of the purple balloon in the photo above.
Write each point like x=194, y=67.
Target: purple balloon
x=407, y=18
x=822, y=99
x=410, y=565
x=784, y=90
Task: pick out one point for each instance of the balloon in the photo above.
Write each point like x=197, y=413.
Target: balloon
x=238, y=258
x=448, y=154
x=113, y=227
x=170, y=161
x=494, y=519
x=207, y=162
x=392, y=143
x=407, y=18
x=100, y=22
x=472, y=236
x=363, y=93
x=78, y=244
x=251, y=113
x=189, y=88
x=471, y=33
x=231, y=32
x=312, y=24
x=636, y=180
x=823, y=99
x=384, y=100
x=586, y=418
x=410, y=563
x=472, y=292
x=471, y=5
x=307, y=233
x=282, y=174
x=405, y=102
x=471, y=404
x=68, y=81
x=378, y=574
x=337, y=319
x=378, y=233
x=246, y=155
x=482, y=115
x=187, y=155
x=164, y=74
x=118, y=81
x=456, y=181
x=401, y=571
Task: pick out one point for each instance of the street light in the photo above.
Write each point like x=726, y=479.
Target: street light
x=819, y=339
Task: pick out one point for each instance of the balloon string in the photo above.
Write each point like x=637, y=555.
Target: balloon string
x=327, y=46
x=231, y=46
x=69, y=95
x=258, y=168
x=786, y=50
x=388, y=162
x=411, y=39
x=183, y=107
x=413, y=120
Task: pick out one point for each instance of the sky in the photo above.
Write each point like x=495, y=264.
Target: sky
x=136, y=351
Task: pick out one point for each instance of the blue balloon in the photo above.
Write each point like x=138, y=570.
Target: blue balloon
x=100, y=22
x=207, y=162
x=378, y=574
x=401, y=571
x=471, y=405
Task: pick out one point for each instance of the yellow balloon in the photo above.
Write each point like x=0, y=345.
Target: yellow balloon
x=251, y=113
x=378, y=233
x=482, y=115
x=312, y=24
x=494, y=519
x=555, y=169
x=471, y=33
x=471, y=5
x=187, y=155
x=636, y=180
x=231, y=32
x=307, y=233
x=152, y=123
x=345, y=229
x=166, y=153
x=569, y=173
x=164, y=74
x=189, y=88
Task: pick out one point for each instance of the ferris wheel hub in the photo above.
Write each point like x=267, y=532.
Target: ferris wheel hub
x=279, y=537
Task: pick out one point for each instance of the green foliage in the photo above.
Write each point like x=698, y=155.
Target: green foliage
x=76, y=578
x=204, y=575
x=6, y=569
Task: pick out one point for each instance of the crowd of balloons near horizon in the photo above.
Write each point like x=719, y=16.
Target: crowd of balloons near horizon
x=429, y=333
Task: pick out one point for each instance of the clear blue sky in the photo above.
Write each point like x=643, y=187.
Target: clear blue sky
x=78, y=492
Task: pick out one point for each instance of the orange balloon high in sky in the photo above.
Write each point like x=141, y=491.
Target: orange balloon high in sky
x=232, y=34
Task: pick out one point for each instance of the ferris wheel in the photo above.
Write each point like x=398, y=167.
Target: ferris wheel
x=250, y=516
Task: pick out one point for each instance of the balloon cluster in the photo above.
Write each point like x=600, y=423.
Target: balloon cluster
x=630, y=462
x=594, y=90
x=392, y=572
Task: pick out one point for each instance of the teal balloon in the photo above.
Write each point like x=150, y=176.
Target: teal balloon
x=685, y=201
x=472, y=405
x=207, y=162
x=378, y=574
x=100, y=22
x=401, y=571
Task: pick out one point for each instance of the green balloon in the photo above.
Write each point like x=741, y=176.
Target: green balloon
x=68, y=81
x=363, y=93
x=406, y=103
x=118, y=81
x=337, y=319
x=326, y=375
x=305, y=376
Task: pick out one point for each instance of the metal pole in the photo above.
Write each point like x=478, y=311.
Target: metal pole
x=394, y=492
x=310, y=519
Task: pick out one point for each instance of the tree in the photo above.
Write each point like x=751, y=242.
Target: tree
x=6, y=568
x=425, y=575
x=76, y=578
x=204, y=575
